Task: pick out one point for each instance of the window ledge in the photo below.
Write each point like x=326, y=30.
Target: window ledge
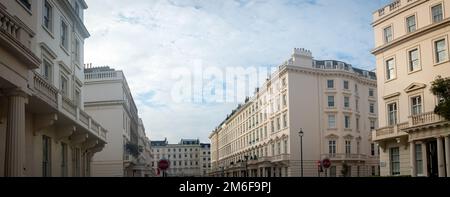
x=64, y=49
x=440, y=63
x=389, y=80
x=25, y=7
x=48, y=31
x=414, y=71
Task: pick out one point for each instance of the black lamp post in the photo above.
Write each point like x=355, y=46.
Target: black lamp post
x=301, y=151
x=246, y=160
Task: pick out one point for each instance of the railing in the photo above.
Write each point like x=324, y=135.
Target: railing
x=345, y=156
x=103, y=134
x=425, y=118
x=264, y=159
x=95, y=127
x=46, y=90
x=390, y=131
x=50, y=94
x=69, y=106
x=282, y=157
x=402, y=126
x=11, y=26
x=103, y=75
x=385, y=131
x=392, y=7
x=84, y=118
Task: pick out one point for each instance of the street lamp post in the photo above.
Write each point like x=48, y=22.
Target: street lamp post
x=301, y=151
x=246, y=160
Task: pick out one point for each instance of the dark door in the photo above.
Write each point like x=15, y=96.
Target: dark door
x=432, y=159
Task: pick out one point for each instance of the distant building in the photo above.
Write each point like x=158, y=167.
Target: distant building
x=412, y=49
x=188, y=158
x=109, y=99
x=332, y=101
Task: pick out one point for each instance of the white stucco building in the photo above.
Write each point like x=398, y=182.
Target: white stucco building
x=411, y=50
x=332, y=102
x=44, y=130
x=188, y=158
x=108, y=98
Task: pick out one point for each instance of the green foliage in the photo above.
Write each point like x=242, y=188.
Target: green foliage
x=133, y=149
x=345, y=169
x=441, y=88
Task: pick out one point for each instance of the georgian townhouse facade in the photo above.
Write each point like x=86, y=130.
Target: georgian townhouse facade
x=109, y=99
x=412, y=49
x=333, y=103
x=44, y=130
x=188, y=158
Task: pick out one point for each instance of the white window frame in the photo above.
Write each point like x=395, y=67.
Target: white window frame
x=414, y=64
x=65, y=91
x=416, y=104
x=392, y=116
x=332, y=121
x=388, y=36
x=411, y=28
x=333, y=101
x=347, y=121
x=50, y=24
x=390, y=71
x=437, y=53
x=433, y=16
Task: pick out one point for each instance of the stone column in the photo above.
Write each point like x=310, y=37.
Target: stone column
x=447, y=154
x=424, y=159
x=15, y=135
x=412, y=149
x=440, y=156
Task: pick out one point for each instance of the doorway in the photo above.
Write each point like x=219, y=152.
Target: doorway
x=432, y=160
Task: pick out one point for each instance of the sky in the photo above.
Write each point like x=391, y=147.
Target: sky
x=159, y=44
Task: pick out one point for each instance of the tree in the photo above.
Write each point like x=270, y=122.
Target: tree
x=133, y=149
x=441, y=88
x=345, y=169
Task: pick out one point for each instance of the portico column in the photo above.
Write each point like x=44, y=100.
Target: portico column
x=447, y=154
x=424, y=159
x=15, y=135
x=412, y=149
x=440, y=156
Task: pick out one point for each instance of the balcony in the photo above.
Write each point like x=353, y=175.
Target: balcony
x=343, y=156
x=48, y=99
x=280, y=158
x=425, y=118
x=16, y=37
x=390, y=132
x=104, y=75
x=390, y=8
x=45, y=90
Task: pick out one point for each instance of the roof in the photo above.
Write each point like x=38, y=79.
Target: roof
x=189, y=141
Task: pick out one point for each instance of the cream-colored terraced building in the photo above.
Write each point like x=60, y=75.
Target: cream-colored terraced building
x=188, y=158
x=108, y=99
x=412, y=49
x=44, y=130
x=332, y=102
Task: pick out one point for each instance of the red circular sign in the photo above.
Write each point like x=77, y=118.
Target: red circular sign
x=326, y=163
x=163, y=164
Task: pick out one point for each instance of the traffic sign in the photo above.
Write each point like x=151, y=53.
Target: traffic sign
x=163, y=164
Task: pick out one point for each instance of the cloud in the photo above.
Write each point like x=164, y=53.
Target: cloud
x=149, y=39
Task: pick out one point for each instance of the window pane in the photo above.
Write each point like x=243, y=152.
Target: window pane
x=441, y=52
x=437, y=13
x=411, y=22
x=414, y=60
